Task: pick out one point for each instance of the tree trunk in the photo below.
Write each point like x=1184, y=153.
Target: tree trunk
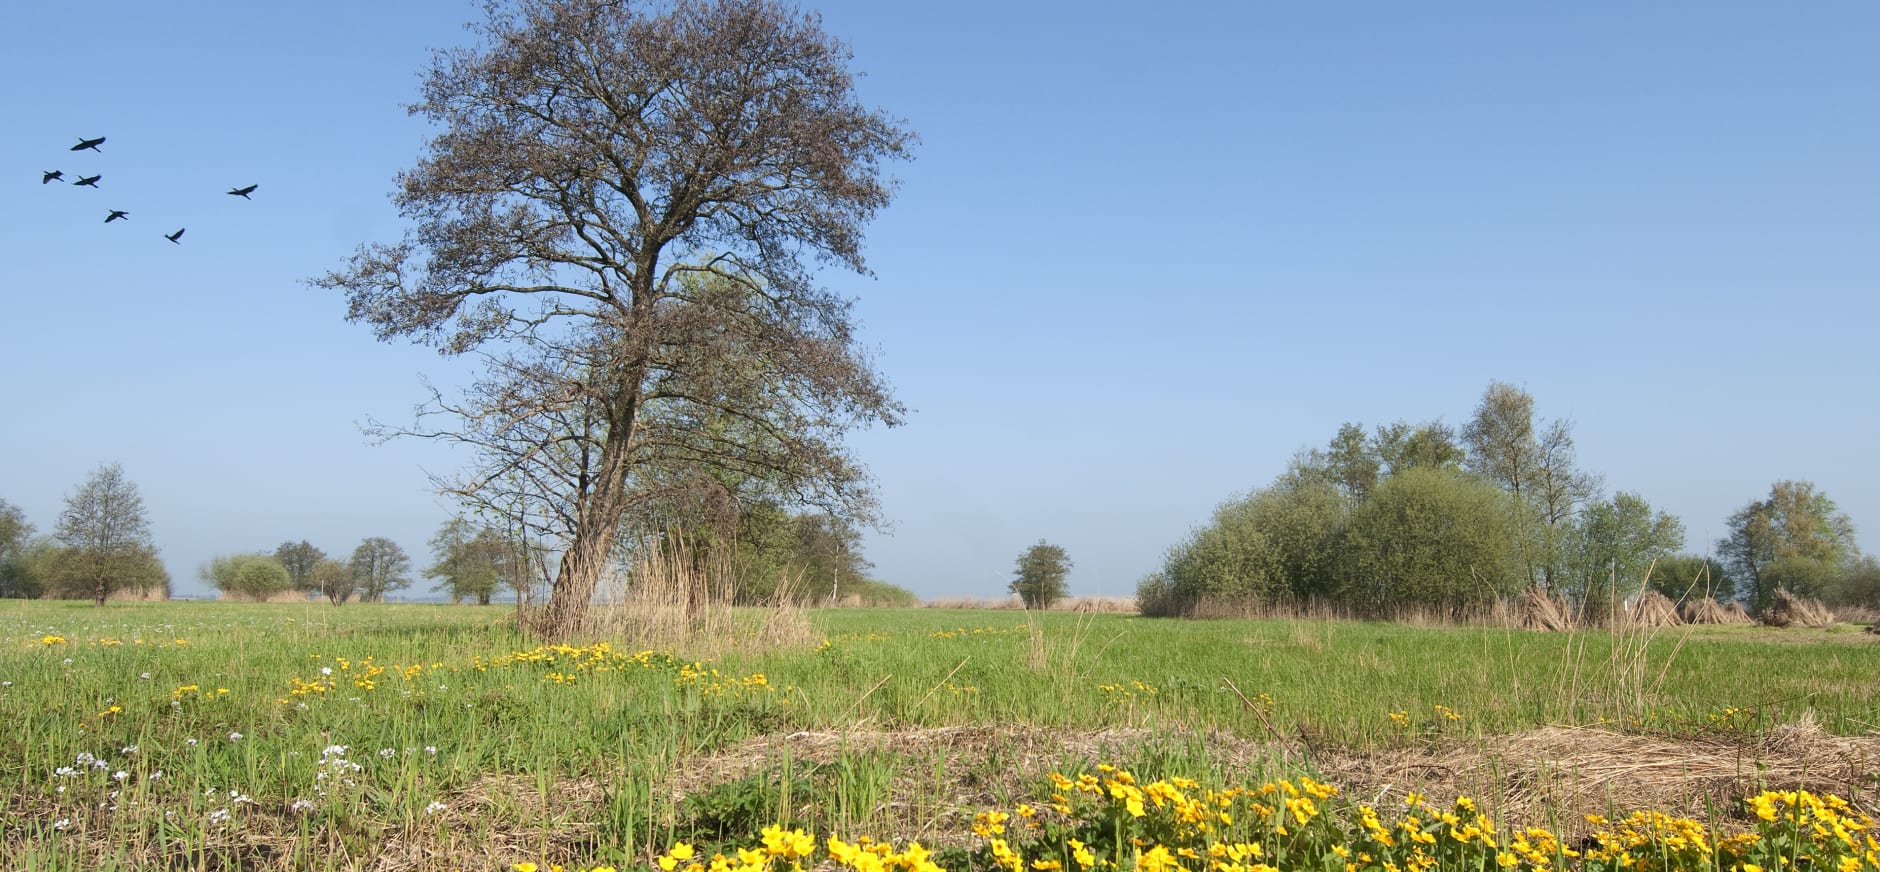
x=599, y=522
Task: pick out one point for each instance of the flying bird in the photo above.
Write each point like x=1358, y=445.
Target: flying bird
x=116, y=214
x=86, y=181
x=176, y=237
x=243, y=192
x=52, y=176
x=92, y=144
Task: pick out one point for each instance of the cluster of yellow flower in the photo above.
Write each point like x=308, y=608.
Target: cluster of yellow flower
x=1173, y=824
x=959, y=632
x=1113, y=822
x=109, y=642
x=1121, y=692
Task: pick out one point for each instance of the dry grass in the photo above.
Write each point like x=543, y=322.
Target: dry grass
x=1553, y=776
x=675, y=597
x=1652, y=609
x=1793, y=610
x=1704, y=610
x=1543, y=611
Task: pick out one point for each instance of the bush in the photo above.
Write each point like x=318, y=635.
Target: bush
x=1429, y=537
x=253, y=575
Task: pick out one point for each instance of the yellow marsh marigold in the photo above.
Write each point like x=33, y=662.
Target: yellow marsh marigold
x=680, y=853
x=790, y=845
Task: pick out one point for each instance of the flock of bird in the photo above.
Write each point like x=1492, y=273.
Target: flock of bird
x=85, y=181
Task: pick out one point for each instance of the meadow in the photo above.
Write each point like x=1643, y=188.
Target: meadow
x=223, y=736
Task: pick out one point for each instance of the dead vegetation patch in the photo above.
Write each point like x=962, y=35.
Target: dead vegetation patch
x=1552, y=776
x=1704, y=610
x=1793, y=610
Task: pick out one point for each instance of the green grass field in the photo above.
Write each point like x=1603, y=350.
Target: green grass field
x=193, y=735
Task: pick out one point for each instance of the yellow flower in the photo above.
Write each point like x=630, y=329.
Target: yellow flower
x=791, y=845
x=525, y=866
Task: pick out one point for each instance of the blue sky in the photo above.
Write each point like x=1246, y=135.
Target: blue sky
x=1146, y=253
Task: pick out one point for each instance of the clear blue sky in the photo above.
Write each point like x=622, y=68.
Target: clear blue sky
x=1146, y=253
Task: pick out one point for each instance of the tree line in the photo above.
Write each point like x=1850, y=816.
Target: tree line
x=99, y=546
x=102, y=545
x=1430, y=517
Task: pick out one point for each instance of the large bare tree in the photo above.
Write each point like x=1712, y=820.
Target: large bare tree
x=620, y=214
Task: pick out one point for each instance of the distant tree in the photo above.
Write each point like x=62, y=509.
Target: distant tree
x=300, y=559
x=378, y=567
x=335, y=581
x=1794, y=523
x=1807, y=576
x=829, y=552
x=1428, y=537
x=1612, y=550
x=15, y=535
x=105, y=535
x=473, y=561
x=1353, y=463
x=14, y=528
x=1859, y=586
x=1533, y=460
x=1040, y=577
x=1690, y=576
x=592, y=161
x=26, y=572
x=253, y=575
x=1432, y=445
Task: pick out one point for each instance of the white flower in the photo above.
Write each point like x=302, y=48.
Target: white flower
x=431, y=750
x=65, y=772
x=436, y=807
x=219, y=816
x=334, y=751
x=301, y=806
x=157, y=775
x=387, y=753
x=120, y=775
x=6, y=684
x=326, y=670
x=190, y=742
x=61, y=823
x=100, y=764
x=68, y=661
x=84, y=758
x=128, y=750
x=145, y=676
x=234, y=737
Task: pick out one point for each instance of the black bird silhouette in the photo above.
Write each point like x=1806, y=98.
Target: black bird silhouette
x=244, y=192
x=86, y=181
x=52, y=175
x=92, y=144
x=176, y=237
x=116, y=214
